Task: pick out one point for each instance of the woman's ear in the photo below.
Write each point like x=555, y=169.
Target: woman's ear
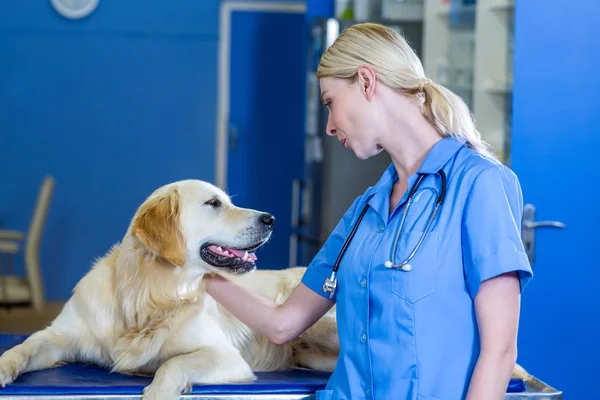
x=367, y=79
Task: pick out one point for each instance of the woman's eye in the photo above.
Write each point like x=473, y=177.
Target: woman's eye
x=214, y=203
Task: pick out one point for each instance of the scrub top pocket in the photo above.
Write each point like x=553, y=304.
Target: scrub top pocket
x=419, y=282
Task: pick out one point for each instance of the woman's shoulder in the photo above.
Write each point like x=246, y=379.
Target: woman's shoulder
x=472, y=166
x=482, y=176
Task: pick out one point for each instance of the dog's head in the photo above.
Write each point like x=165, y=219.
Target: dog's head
x=194, y=224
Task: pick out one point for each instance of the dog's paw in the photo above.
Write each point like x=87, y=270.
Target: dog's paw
x=8, y=371
x=160, y=392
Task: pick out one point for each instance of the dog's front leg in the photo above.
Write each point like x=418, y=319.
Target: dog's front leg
x=207, y=365
x=41, y=350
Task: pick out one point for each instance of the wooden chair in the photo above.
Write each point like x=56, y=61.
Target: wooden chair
x=27, y=290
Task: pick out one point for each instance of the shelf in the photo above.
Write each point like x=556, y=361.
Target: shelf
x=502, y=5
x=469, y=49
x=459, y=88
x=410, y=11
x=498, y=87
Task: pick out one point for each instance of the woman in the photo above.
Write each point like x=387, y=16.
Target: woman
x=446, y=327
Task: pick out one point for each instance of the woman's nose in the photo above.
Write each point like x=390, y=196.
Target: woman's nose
x=329, y=129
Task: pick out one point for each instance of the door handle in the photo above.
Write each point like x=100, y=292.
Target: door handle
x=528, y=226
x=540, y=224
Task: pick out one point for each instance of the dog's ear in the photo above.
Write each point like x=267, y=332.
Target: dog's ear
x=156, y=226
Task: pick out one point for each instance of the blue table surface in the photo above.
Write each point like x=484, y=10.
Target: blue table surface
x=89, y=379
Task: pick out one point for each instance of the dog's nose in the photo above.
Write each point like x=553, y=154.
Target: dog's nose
x=267, y=219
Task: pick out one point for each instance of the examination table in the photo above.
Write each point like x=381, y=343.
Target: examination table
x=85, y=382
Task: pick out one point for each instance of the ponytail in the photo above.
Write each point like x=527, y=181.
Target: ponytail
x=451, y=116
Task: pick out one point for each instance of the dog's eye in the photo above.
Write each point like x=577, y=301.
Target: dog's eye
x=214, y=203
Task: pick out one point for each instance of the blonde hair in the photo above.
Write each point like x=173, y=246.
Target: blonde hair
x=397, y=66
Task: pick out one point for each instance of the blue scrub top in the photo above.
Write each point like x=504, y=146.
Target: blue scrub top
x=413, y=335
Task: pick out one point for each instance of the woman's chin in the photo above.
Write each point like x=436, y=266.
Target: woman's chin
x=363, y=155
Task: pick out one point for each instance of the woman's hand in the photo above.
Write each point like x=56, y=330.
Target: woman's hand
x=497, y=306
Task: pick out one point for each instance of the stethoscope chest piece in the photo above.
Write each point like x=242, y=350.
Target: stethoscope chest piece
x=330, y=284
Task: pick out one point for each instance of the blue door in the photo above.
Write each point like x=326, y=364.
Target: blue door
x=555, y=148
x=266, y=123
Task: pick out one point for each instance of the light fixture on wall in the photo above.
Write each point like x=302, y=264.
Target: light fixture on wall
x=74, y=9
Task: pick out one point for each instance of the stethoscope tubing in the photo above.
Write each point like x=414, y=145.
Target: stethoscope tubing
x=331, y=282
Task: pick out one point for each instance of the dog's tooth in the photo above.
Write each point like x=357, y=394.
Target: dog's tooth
x=245, y=257
x=219, y=248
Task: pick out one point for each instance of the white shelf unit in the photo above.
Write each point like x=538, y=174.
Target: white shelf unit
x=475, y=62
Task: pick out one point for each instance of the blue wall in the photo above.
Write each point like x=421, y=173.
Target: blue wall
x=113, y=106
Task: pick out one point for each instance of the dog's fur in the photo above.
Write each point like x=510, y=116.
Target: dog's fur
x=143, y=308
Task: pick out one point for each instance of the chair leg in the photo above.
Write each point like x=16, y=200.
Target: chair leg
x=35, y=284
x=5, y=302
x=9, y=272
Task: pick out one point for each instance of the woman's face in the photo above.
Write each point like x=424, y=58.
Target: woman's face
x=352, y=117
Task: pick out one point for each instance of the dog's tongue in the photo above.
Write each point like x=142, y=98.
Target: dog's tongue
x=235, y=252
x=240, y=253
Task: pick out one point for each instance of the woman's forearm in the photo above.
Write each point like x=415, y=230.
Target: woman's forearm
x=497, y=306
x=279, y=323
x=258, y=313
x=491, y=376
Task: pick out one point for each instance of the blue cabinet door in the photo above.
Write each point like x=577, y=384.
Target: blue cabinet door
x=555, y=153
x=266, y=119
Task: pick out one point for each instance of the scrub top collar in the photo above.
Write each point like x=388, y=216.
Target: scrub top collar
x=440, y=154
x=437, y=157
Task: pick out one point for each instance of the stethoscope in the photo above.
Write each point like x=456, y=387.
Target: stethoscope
x=330, y=283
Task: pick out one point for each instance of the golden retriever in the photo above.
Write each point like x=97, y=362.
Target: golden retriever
x=143, y=309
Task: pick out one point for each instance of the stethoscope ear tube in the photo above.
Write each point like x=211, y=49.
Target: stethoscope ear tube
x=349, y=239
x=330, y=283
x=442, y=195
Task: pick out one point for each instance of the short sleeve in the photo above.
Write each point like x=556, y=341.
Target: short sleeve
x=322, y=264
x=491, y=231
